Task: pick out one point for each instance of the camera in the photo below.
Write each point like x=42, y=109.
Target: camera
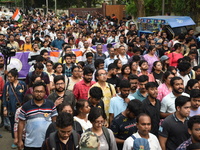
x=7, y=51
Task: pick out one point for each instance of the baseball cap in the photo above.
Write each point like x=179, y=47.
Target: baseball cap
x=164, y=57
x=89, y=141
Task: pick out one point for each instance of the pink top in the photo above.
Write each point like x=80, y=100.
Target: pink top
x=162, y=91
x=150, y=60
x=173, y=58
x=151, y=77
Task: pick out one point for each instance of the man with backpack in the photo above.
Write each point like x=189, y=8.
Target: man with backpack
x=124, y=124
x=138, y=138
x=65, y=137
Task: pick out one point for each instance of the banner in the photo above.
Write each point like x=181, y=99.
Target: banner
x=20, y=60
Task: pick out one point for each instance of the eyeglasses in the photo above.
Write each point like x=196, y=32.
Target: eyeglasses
x=100, y=123
x=103, y=74
x=133, y=82
x=39, y=92
x=59, y=83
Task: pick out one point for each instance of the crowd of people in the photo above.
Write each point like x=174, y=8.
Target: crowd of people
x=141, y=92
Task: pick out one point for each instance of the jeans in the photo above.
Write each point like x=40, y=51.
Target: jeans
x=6, y=121
x=12, y=121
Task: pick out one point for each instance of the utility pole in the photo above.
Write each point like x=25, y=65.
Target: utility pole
x=163, y=7
x=56, y=7
x=47, y=6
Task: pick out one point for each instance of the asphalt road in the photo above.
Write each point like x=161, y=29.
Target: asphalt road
x=6, y=141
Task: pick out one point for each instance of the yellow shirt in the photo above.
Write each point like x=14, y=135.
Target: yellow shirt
x=26, y=47
x=106, y=95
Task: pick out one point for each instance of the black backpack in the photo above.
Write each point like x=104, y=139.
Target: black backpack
x=53, y=143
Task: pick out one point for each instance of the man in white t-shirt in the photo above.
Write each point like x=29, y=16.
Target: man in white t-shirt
x=144, y=127
x=86, y=49
x=168, y=102
x=184, y=71
x=195, y=102
x=122, y=55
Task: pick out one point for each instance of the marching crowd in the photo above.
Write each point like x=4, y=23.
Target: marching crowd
x=142, y=92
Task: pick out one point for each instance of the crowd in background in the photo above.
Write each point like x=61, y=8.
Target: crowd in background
x=141, y=90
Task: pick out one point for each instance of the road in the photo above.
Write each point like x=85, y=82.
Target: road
x=6, y=141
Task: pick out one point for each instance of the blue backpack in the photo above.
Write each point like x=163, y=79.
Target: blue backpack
x=140, y=143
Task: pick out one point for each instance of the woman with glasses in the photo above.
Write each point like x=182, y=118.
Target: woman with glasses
x=13, y=94
x=107, y=140
x=134, y=67
x=49, y=65
x=58, y=70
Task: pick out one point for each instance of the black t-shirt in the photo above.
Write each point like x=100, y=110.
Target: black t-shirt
x=123, y=127
x=175, y=131
x=154, y=113
x=114, y=81
x=96, y=41
x=99, y=105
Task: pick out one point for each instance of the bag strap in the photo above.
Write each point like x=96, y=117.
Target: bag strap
x=75, y=138
x=110, y=90
x=107, y=135
x=133, y=137
x=15, y=94
x=52, y=140
x=67, y=82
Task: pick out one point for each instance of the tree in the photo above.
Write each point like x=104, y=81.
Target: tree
x=136, y=8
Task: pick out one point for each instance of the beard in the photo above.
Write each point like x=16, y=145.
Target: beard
x=177, y=91
x=87, y=80
x=1, y=65
x=38, y=98
x=113, y=75
x=134, y=88
x=60, y=89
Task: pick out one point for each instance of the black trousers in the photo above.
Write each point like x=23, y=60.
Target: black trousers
x=31, y=148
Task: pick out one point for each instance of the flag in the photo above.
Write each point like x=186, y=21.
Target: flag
x=17, y=16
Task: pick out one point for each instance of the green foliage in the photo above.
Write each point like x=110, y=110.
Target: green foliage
x=153, y=7
x=131, y=8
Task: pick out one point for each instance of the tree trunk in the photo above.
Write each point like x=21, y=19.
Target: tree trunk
x=89, y=3
x=140, y=8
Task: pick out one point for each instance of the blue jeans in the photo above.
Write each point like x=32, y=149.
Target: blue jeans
x=6, y=121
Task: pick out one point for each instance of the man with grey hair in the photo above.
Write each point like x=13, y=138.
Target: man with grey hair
x=86, y=49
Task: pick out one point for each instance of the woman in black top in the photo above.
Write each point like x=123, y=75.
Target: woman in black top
x=157, y=72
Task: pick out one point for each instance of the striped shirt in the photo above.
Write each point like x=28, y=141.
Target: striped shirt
x=37, y=120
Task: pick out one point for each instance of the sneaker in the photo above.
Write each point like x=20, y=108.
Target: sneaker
x=13, y=146
x=8, y=128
